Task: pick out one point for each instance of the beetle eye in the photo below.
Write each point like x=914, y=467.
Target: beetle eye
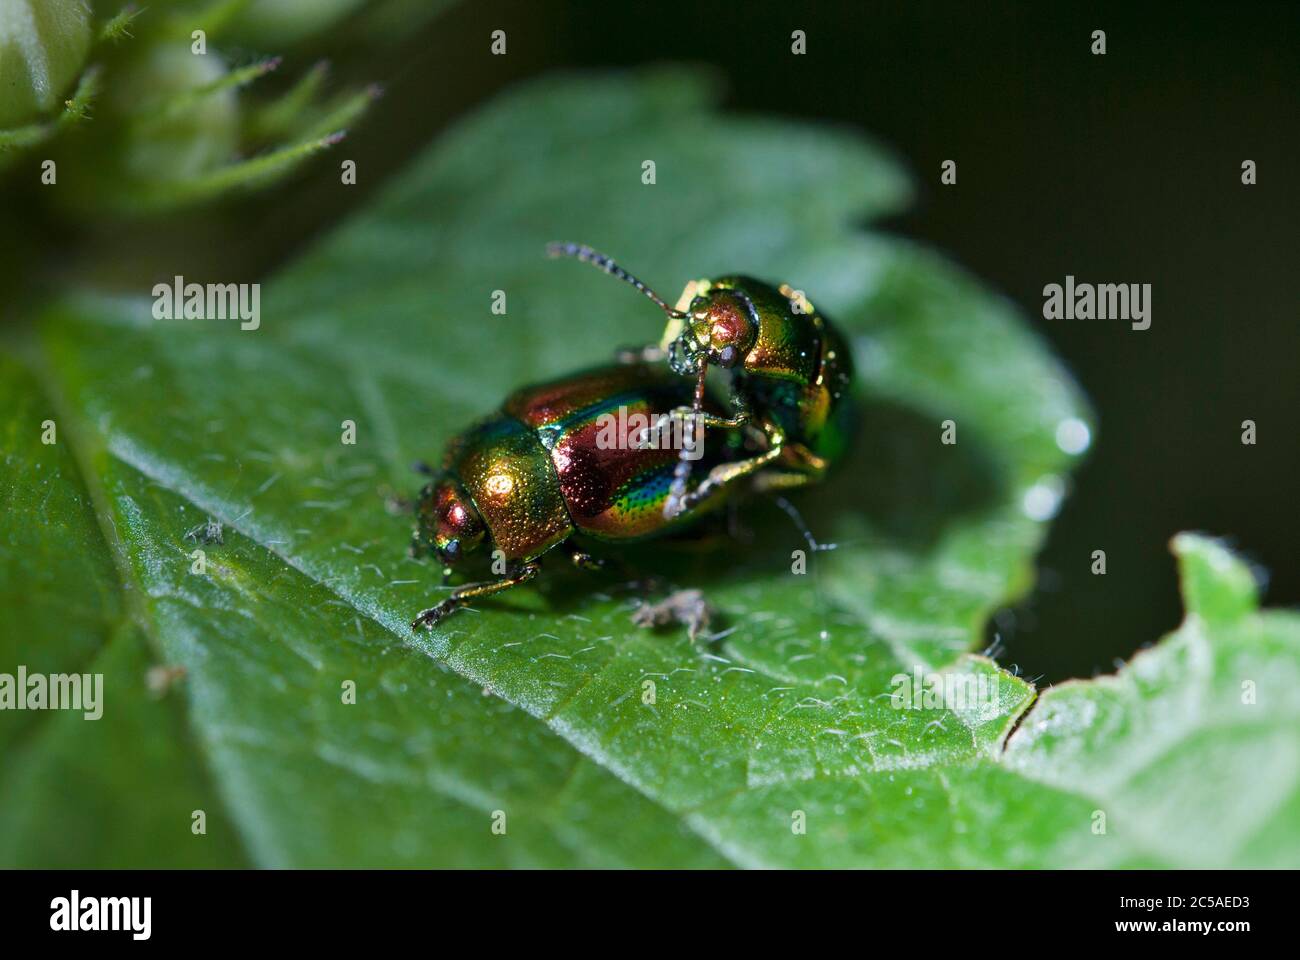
x=448, y=521
x=728, y=356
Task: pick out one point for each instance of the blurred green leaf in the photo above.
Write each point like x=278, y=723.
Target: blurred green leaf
x=42, y=49
x=535, y=705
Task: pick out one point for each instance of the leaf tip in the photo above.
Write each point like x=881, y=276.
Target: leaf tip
x=1217, y=584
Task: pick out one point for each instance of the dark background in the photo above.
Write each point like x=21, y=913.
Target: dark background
x=1117, y=168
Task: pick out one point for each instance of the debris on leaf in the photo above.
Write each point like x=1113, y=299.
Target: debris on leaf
x=209, y=531
x=162, y=678
x=684, y=606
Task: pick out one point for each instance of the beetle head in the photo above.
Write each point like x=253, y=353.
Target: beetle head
x=719, y=329
x=722, y=328
x=447, y=522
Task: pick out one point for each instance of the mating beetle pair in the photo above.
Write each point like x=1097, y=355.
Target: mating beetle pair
x=533, y=476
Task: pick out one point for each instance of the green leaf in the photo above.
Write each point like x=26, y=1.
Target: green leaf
x=781, y=741
x=1193, y=750
x=118, y=790
x=409, y=774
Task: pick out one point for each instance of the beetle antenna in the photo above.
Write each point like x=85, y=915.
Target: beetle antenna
x=601, y=262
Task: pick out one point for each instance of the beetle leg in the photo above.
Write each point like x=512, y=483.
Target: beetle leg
x=805, y=459
x=805, y=467
x=793, y=513
x=728, y=474
x=659, y=434
x=712, y=419
x=742, y=418
x=678, y=499
x=473, y=591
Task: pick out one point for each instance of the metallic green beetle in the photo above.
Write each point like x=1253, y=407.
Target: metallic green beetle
x=563, y=462
x=791, y=375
